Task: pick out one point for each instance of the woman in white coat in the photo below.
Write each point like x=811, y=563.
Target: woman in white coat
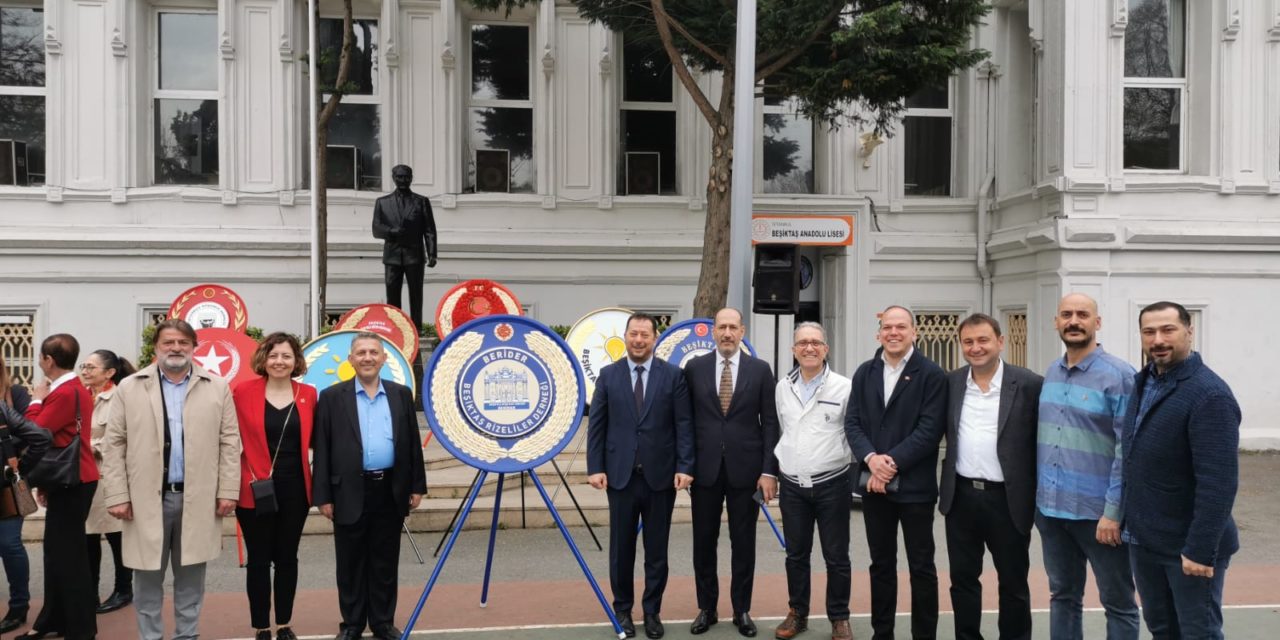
x=101, y=372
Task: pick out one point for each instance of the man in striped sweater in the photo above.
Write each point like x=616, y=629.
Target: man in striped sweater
x=1079, y=463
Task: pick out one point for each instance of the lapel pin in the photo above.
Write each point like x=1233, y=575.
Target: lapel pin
x=907, y=378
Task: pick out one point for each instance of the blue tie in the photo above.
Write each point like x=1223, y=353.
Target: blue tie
x=639, y=389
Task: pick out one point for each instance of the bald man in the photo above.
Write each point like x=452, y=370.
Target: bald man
x=1078, y=458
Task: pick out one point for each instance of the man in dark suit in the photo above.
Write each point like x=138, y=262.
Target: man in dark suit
x=894, y=421
x=1181, y=473
x=640, y=447
x=736, y=425
x=989, y=479
x=403, y=220
x=369, y=475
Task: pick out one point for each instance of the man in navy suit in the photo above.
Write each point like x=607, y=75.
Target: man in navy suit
x=894, y=421
x=735, y=422
x=1181, y=472
x=640, y=447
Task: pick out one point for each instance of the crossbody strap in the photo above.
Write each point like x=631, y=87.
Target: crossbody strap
x=283, y=427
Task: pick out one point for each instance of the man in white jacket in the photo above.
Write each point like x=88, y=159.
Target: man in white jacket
x=813, y=457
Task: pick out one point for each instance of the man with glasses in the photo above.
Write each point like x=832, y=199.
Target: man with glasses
x=813, y=462
x=171, y=470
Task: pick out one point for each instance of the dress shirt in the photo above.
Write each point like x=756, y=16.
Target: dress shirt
x=979, y=428
x=1154, y=387
x=62, y=379
x=175, y=399
x=648, y=368
x=375, y=428
x=808, y=388
x=733, y=368
x=892, y=373
x=1079, y=462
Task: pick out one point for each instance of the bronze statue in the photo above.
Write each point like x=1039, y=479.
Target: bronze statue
x=403, y=220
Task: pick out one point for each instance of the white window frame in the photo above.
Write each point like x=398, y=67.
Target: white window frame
x=471, y=103
x=41, y=91
x=1180, y=84
x=917, y=112
x=787, y=108
x=177, y=94
x=631, y=105
x=374, y=98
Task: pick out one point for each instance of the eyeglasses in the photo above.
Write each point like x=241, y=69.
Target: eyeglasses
x=86, y=367
x=805, y=344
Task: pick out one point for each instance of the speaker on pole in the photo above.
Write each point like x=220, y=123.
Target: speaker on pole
x=776, y=279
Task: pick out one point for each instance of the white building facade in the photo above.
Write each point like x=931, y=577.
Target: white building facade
x=1129, y=149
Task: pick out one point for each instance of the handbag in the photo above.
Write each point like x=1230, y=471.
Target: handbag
x=865, y=476
x=264, y=490
x=16, y=498
x=60, y=466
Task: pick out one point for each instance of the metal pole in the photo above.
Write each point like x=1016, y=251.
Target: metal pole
x=493, y=536
x=448, y=547
x=744, y=119
x=313, y=87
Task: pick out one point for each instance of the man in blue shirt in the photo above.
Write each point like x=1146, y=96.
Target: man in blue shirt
x=1078, y=505
x=1181, y=474
x=368, y=476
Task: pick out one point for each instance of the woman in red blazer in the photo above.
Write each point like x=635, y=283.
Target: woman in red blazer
x=275, y=416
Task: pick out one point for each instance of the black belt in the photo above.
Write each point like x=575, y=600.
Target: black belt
x=378, y=474
x=174, y=487
x=981, y=485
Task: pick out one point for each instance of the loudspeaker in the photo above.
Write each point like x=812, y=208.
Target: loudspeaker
x=493, y=170
x=776, y=280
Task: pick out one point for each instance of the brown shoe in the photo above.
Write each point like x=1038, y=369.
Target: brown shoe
x=792, y=626
x=840, y=630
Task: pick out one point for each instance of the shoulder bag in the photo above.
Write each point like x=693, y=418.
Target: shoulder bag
x=60, y=466
x=264, y=490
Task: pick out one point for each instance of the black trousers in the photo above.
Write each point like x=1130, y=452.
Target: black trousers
x=708, y=502
x=272, y=540
x=368, y=559
x=124, y=575
x=881, y=517
x=980, y=518
x=69, y=598
x=827, y=506
x=395, y=275
x=627, y=507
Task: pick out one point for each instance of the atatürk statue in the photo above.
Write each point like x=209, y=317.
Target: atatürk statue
x=403, y=220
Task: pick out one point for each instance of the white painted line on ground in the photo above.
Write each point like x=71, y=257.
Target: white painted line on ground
x=583, y=625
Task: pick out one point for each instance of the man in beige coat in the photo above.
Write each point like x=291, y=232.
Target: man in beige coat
x=171, y=471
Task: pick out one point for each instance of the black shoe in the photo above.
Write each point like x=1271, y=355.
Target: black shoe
x=117, y=600
x=745, y=625
x=285, y=633
x=628, y=626
x=14, y=619
x=262, y=634
x=653, y=626
x=349, y=633
x=34, y=635
x=706, y=618
x=387, y=632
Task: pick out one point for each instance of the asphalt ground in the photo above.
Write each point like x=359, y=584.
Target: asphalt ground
x=538, y=590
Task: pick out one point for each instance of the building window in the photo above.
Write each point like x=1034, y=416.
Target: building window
x=1155, y=85
x=927, y=142
x=786, y=149
x=938, y=339
x=186, y=99
x=354, y=149
x=17, y=347
x=647, y=122
x=1015, y=337
x=499, y=141
x=22, y=142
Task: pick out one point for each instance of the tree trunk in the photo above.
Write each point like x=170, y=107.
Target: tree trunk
x=713, y=281
x=320, y=190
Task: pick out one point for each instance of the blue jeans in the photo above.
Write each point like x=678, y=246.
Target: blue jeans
x=1070, y=546
x=1176, y=605
x=16, y=565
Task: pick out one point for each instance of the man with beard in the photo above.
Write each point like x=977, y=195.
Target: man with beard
x=1079, y=469
x=1181, y=472
x=736, y=429
x=894, y=421
x=640, y=448
x=171, y=470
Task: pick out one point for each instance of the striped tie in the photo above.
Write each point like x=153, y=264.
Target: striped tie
x=726, y=386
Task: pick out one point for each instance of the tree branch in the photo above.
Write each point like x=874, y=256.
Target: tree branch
x=660, y=12
x=681, y=69
x=344, y=68
x=795, y=52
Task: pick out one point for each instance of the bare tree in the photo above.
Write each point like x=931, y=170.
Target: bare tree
x=320, y=190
